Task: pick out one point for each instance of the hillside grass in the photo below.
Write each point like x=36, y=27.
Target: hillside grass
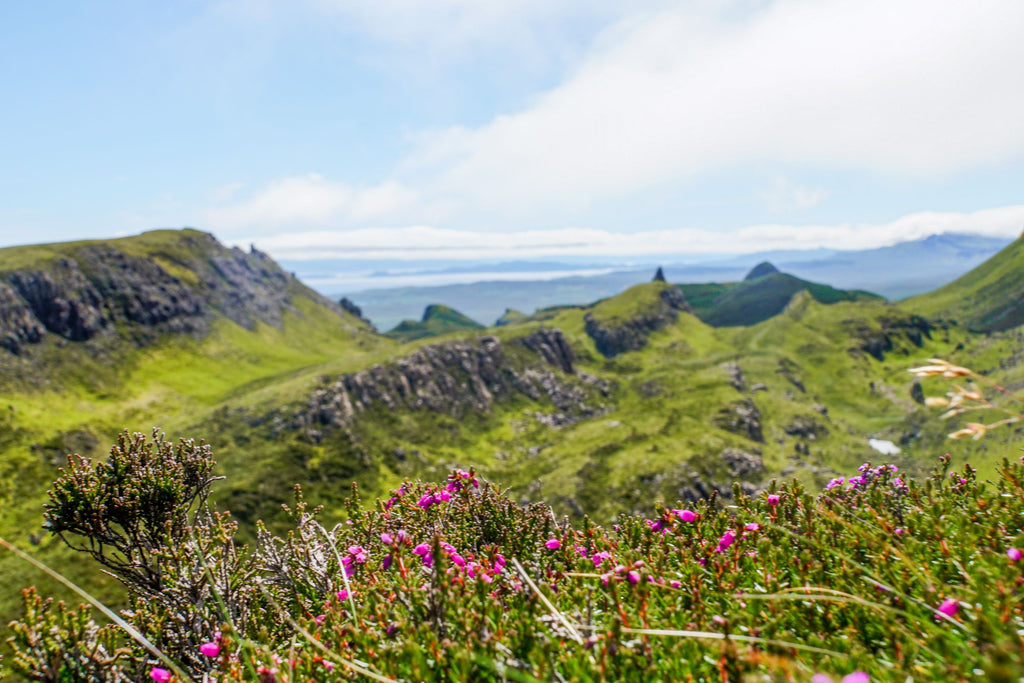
x=987, y=299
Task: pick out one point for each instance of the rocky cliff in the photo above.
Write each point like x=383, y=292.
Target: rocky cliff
x=457, y=377
x=631, y=334
x=177, y=284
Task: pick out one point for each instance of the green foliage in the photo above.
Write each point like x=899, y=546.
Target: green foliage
x=454, y=581
x=128, y=508
x=55, y=644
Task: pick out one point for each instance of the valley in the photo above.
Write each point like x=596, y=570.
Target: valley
x=598, y=410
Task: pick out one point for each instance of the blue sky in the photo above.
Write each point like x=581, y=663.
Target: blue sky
x=483, y=128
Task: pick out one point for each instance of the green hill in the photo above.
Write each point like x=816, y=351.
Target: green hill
x=987, y=299
x=437, y=320
x=162, y=329
x=764, y=292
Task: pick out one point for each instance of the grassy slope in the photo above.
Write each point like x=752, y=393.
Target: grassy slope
x=79, y=402
x=989, y=298
x=752, y=301
x=437, y=320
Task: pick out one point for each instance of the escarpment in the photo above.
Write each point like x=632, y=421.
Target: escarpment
x=612, y=339
x=89, y=290
x=457, y=377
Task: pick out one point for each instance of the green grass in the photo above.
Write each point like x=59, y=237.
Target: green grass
x=987, y=299
x=437, y=320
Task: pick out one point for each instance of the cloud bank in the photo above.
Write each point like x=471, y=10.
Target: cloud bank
x=424, y=242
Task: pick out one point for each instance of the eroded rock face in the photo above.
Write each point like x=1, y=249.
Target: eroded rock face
x=632, y=335
x=455, y=378
x=62, y=299
x=96, y=289
x=18, y=325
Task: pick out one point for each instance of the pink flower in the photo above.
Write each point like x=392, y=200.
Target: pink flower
x=753, y=526
x=457, y=559
x=160, y=675
x=773, y=499
x=553, y=544
x=675, y=584
x=343, y=595
x=426, y=501
x=633, y=577
x=421, y=549
x=386, y=538
x=1014, y=554
x=686, y=515
x=855, y=677
x=210, y=649
x=442, y=496
x=949, y=607
x=725, y=541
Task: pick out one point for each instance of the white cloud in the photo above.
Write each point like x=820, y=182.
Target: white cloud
x=424, y=242
x=784, y=196
x=307, y=202
x=917, y=88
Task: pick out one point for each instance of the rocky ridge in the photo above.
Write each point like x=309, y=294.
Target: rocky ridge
x=632, y=335
x=96, y=289
x=457, y=377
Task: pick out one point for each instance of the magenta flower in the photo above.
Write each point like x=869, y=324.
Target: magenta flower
x=343, y=595
x=442, y=496
x=386, y=538
x=210, y=649
x=426, y=501
x=753, y=526
x=1014, y=554
x=386, y=562
x=686, y=515
x=725, y=541
x=949, y=607
x=160, y=675
x=773, y=499
x=553, y=544
x=421, y=549
x=633, y=577
x=675, y=584
x=855, y=677
x=601, y=557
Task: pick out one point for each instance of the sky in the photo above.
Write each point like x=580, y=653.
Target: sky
x=497, y=129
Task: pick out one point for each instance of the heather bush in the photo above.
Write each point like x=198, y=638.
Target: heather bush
x=452, y=581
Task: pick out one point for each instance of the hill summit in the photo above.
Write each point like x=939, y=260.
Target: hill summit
x=762, y=269
x=437, y=319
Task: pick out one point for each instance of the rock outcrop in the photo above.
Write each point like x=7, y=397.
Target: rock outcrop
x=456, y=378
x=18, y=324
x=743, y=418
x=631, y=335
x=892, y=331
x=95, y=289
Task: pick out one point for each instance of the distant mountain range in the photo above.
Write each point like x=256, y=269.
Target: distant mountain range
x=896, y=272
